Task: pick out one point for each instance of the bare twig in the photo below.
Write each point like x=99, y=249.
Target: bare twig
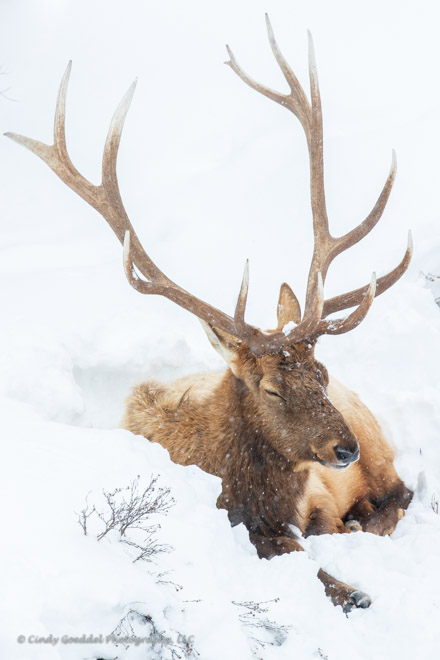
x=84, y=515
x=128, y=509
x=435, y=502
x=135, y=623
x=255, y=620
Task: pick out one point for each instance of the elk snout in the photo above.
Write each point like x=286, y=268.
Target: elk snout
x=338, y=456
x=346, y=456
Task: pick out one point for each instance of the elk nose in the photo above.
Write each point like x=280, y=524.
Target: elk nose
x=346, y=455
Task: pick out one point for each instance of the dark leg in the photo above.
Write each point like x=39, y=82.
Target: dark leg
x=339, y=592
x=272, y=546
x=380, y=516
x=320, y=523
x=342, y=594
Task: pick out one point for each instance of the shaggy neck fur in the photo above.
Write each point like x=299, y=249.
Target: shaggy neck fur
x=259, y=483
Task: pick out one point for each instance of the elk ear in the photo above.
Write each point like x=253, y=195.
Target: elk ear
x=225, y=344
x=288, y=308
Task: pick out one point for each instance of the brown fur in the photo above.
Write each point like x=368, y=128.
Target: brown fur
x=267, y=449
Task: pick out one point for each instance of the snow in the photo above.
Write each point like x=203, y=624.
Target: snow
x=287, y=329
x=211, y=174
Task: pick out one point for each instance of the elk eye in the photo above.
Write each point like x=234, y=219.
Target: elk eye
x=275, y=394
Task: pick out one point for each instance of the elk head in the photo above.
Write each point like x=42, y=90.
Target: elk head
x=276, y=370
x=281, y=400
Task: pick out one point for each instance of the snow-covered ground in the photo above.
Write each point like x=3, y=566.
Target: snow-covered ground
x=211, y=174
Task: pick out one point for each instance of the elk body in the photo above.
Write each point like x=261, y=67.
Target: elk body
x=292, y=446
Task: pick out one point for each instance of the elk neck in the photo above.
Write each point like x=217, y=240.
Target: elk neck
x=258, y=481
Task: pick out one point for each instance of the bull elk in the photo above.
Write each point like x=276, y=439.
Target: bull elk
x=293, y=447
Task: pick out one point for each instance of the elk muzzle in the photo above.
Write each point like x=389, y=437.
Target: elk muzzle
x=346, y=456
x=338, y=454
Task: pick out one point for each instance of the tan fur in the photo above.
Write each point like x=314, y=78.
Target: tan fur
x=201, y=386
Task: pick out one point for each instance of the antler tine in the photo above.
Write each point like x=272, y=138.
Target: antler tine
x=240, y=324
x=334, y=246
x=56, y=156
x=322, y=238
x=140, y=285
x=59, y=129
x=339, y=326
x=114, y=137
x=352, y=298
x=51, y=154
x=297, y=101
x=110, y=156
x=364, y=228
x=254, y=338
x=319, y=211
x=266, y=91
x=120, y=221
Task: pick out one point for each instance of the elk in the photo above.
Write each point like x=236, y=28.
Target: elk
x=292, y=446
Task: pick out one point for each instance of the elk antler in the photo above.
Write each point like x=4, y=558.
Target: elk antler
x=106, y=199
x=326, y=246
